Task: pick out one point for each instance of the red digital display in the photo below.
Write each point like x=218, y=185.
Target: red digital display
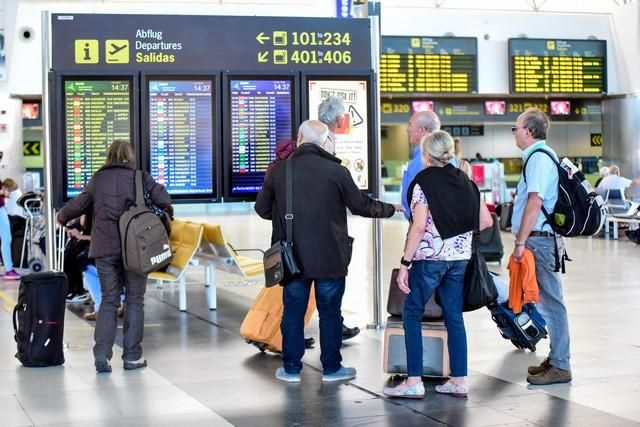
x=560, y=108
x=495, y=108
x=418, y=106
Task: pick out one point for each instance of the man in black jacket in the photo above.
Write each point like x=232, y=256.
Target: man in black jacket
x=322, y=190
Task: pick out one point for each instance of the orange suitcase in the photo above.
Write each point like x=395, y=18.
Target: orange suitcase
x=261, y=325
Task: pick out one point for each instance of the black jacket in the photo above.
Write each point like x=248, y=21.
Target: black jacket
x=322, y=190
x=108, y=194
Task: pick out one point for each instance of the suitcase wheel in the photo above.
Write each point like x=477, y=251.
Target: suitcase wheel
x=35, y=265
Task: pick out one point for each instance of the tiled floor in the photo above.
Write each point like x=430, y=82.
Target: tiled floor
x=202, y=373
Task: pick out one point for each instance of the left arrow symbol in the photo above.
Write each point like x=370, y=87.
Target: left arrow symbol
x=262, y=38
x=263, y=56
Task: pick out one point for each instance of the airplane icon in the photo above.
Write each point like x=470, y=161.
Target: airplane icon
x=117, y=48
x=117, y=51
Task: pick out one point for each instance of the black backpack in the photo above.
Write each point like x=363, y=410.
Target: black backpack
x=579, y=211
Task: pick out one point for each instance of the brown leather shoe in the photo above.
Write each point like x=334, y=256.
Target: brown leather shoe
x=121, y=310
x=538, y=369
x=552, y=375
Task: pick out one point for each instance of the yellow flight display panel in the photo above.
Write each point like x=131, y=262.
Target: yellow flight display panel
x=428, y=64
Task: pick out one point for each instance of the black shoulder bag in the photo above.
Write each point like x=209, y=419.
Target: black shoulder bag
x=280, y=265
x=479, y=289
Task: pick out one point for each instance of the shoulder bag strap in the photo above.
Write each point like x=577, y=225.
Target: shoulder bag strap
x=289, y=201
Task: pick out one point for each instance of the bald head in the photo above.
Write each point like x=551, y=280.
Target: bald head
x=312, y=131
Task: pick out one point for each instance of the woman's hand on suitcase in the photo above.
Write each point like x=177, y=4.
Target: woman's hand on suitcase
x=403, y=279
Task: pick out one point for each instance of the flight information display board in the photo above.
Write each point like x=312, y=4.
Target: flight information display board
x=429, y=64
x=557, y=66
x=181, y=146
x=260, y=115
x=352, y=135
x=96, y=111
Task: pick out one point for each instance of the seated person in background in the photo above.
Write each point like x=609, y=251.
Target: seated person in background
x=604, y=172
x=616, y=182
x=457, y=159
x=76, y=258
x=11, y=195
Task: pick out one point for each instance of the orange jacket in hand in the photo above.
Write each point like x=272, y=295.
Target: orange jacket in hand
x=523, y=287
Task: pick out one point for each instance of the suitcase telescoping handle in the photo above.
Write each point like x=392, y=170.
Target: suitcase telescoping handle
x=61, y=243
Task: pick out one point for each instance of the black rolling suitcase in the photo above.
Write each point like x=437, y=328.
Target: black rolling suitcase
x=38, y=317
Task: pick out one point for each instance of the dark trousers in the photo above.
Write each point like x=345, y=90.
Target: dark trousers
x=113, y=278
x=328, y=300
x=73, y=266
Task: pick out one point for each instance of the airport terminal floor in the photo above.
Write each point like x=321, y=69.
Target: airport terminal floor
x=201, y=372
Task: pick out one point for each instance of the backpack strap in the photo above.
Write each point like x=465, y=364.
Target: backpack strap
x=139, y=189
x=559, y=264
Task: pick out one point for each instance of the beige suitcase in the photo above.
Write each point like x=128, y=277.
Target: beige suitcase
x=435, y=353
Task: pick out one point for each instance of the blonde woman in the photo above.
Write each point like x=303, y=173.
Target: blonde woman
x=445, y=206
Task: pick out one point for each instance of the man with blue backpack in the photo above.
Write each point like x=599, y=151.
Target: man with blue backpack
x=537, y=194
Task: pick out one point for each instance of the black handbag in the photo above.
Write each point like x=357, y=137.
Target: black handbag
x=280, y=264
x=479, y=289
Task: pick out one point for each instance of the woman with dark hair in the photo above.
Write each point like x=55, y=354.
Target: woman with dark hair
x=108, y=194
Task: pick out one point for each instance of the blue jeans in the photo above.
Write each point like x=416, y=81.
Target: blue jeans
x=92, y=284
x=424, y=278
x=551, y=305
x=328, y=300
x=5, y=243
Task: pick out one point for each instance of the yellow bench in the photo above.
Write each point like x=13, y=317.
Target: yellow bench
x=216, y=253
x=185, y=240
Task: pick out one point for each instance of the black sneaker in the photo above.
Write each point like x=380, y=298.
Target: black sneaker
x=135, y=364
x=633, y=235
x=103, y=366
x=348, y=333
x=77, y=297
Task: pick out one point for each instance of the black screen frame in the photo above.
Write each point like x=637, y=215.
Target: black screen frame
x=60, y=156
x=227, y=148
x=605, y=76
x=145, y=143
x=372, y=142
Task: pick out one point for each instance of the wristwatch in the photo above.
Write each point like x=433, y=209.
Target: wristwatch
x=405, y=262
x=519, y=243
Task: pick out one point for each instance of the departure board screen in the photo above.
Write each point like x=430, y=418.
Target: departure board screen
x=557, y=66
x=181, y=152
x=95, y=113
x=261, y=115
x=429, y=64
x=352, y=130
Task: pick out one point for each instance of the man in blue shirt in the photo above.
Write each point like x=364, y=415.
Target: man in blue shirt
x=420, y=125
x=531, y=231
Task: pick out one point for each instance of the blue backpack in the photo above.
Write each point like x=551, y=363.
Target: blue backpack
x=524, y=329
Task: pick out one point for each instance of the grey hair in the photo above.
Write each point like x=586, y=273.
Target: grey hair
x=314, y=131
x=330, y=109
x=427, y=120
x=536, y=122
x=614, y=170
x=439, y=145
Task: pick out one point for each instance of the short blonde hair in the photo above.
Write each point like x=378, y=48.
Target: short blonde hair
x=10, y=184
x=439, y=145
x=120, y=151
x=614, y=170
